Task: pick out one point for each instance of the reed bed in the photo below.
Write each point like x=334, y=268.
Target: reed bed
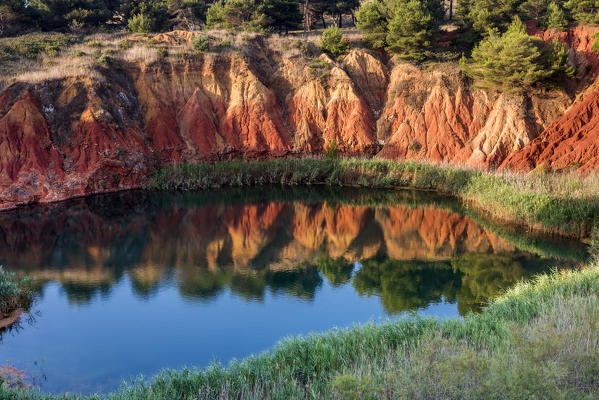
x=564, y=204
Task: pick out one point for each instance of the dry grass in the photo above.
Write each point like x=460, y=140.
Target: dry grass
x=144, y=54
x=65, y=67
x=80, y=58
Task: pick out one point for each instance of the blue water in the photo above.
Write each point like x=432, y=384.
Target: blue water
x=130, y=284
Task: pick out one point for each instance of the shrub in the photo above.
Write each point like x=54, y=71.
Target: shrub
x=201, y=43
x=30, y=46
x=162, y=51
x=140, y=23
x=333, y=42
x=225, y=44
x=80, y=53
x=331, y=149
x=125, y=44
x=105, y=61
x=415, y=146
x=349, y=387
x=595, y=46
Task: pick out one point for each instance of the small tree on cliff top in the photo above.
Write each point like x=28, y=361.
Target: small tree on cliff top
x=333, y=42
x=515, y=61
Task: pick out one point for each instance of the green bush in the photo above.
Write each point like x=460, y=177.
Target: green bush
x=140, y=23
x=595, y=46
x=125, y=44
x=201, y=43
x=105, y=61
x=332, y=42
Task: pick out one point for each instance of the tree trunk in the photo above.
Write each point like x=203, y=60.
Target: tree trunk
x=324, y=24
x=307, y=19
x=340, y=21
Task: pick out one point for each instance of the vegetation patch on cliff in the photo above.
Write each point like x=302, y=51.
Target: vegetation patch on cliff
x=563, y=203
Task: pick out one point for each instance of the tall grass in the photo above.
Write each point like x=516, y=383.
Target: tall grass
x=15, y=293
x=565, y=204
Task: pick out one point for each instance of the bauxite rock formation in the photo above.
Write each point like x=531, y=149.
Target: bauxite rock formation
x=80, y=135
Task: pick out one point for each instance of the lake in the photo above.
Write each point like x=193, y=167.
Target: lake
x=135, y=282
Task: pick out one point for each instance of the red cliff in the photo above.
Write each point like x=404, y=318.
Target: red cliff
x=79, y=135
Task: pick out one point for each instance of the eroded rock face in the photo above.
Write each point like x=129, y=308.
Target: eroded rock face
x=77, y=135
x=569, y=142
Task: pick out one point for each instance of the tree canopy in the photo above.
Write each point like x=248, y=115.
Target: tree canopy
x=401, y=26
x=515, y=61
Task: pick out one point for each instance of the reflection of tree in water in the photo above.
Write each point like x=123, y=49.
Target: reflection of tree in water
x=82, y=293
x=470, y=279
x=406, y=285
x=253, y=244
x=204, y=284
x=338, y=271
x=485, y=276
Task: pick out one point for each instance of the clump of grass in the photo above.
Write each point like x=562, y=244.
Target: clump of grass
x=557, y=203
x=15, y=293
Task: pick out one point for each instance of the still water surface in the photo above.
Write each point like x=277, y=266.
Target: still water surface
x=133, y=283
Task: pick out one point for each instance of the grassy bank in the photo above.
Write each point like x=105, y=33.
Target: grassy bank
x=15, y=293
x=557, y=203
x=539, y=340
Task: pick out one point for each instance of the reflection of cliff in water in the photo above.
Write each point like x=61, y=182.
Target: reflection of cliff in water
x=411, y=255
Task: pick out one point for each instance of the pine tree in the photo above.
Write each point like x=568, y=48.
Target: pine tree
x=409, y=30
x=584, y=10
x=534, y=9
x=237, y=15
x=515, y=61
x=372, y=20
x=556, y=18
x=282, y=14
